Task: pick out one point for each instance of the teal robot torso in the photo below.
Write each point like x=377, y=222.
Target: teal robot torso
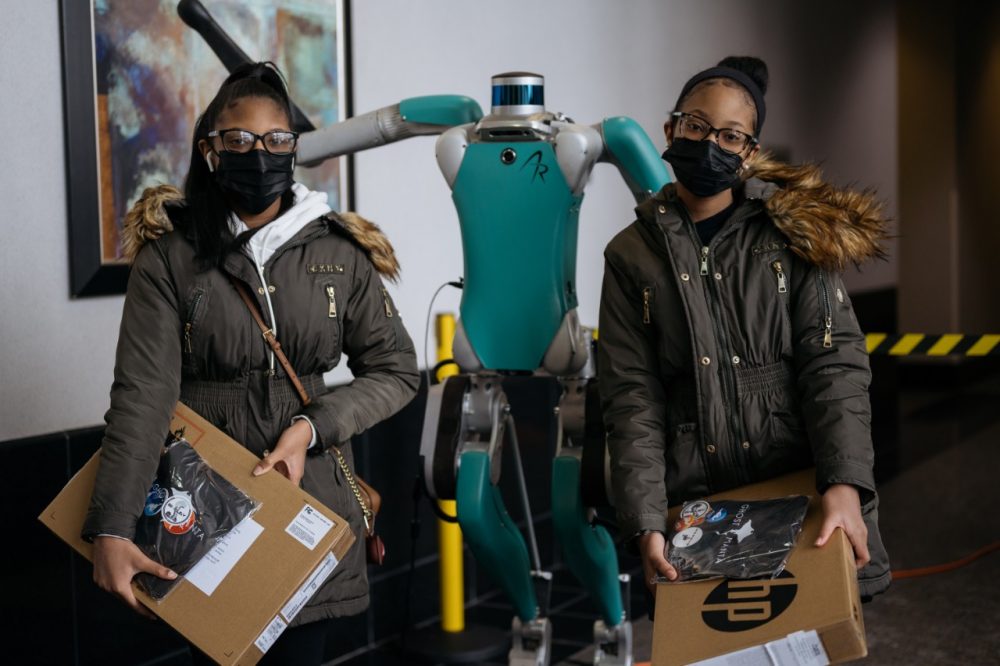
x=519, y=223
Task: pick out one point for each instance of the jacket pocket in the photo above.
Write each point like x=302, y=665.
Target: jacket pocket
x=826, y=308
x=191, y=321
x=390, y=312
x=685, y=472
x=332, y=308
x=787, y=431
x=647, y=305
x=778, y=268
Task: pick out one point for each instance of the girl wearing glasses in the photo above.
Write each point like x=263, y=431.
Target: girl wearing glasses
x=187, y=335
x=729, y=349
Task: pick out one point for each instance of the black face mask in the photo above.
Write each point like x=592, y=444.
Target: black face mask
x=702, y=166
x=255, y=179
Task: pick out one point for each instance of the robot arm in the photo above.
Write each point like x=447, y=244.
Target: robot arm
x=628, y=147
x=431, y=114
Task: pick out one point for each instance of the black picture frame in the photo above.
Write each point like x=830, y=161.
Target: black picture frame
x=90, y=274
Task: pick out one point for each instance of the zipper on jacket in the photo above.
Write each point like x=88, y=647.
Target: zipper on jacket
x=647, y=295
x=780, y=273
x=331, y=294
x=385, y=299
x=827, y=312
x=190, y=322
x=714, y=297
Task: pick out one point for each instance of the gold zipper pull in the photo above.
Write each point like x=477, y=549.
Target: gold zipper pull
x=385, y=299
x=332, y=295
x=782, y=284
x=704, y=260
x=828, y=333
x=646, y=293
x=187, y=337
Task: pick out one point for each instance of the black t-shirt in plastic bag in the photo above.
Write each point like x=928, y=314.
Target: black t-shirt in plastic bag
x=735, y=539
x=188, y=509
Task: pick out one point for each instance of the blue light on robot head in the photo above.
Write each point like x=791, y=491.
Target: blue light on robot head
x=518, y=95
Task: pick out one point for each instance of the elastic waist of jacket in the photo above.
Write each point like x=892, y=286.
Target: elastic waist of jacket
x=234, y=392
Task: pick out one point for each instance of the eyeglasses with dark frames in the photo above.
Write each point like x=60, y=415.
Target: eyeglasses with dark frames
x=276, y=142
x=696, y=128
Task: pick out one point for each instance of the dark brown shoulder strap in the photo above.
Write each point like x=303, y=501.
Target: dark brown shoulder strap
x=271, y=340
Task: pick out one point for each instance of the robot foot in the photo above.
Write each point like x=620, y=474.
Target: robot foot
x=613, y=645
x=532, y=642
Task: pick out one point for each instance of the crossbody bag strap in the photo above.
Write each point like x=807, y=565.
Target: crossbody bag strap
x=271, y=340
x=366, y=510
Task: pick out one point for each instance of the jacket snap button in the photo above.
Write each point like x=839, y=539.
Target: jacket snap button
x=685, y=277
x=270, y=288
x=736, y=360
x=705, y=360
x=662, y=209
x=746, y=445
x=260, y=290
x=718, y=276
x=710, y=448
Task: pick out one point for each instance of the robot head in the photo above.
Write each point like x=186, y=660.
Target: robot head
x=518, y=94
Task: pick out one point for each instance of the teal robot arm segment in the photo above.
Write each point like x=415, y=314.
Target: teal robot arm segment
x=629, y=148
x=443, y=110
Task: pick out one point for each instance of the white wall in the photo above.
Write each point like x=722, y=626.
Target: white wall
x=600, y=58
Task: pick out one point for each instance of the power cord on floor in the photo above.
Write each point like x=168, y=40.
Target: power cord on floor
x=902, y=574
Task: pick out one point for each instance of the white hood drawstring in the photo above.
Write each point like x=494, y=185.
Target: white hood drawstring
x=307, y=206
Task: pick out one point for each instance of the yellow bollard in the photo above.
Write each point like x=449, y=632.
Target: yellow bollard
x=449, y=534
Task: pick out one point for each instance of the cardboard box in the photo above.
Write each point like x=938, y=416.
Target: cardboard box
x=268, y=584
x=818, y=591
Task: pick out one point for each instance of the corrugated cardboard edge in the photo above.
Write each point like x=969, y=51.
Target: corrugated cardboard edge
x=845, y=640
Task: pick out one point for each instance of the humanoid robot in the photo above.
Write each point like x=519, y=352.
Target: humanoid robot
x=517, y=178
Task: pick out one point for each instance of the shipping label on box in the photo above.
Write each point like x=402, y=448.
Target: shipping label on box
x=769, y=619
x=245, y=592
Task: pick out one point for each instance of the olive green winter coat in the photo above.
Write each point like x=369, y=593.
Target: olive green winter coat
x=735, y=363
x=185, y=334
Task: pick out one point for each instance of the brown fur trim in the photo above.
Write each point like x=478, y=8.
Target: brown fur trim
x=147, y=220
x=370, y=237
x=827, y=226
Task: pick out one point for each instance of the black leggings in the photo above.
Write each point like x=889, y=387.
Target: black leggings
x=298, y=646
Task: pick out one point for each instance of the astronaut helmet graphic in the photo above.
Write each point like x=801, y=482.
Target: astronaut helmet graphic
x=177, y=513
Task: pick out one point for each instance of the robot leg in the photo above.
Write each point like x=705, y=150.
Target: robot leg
x=464, y=428
x=588, y=549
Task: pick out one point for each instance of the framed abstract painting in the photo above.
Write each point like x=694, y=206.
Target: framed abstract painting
x=136, y=78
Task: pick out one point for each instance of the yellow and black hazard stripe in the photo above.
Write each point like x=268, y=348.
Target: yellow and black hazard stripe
x=921, y=344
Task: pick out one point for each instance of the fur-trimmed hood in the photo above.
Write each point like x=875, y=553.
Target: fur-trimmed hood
x=827, y=226
x=148, y=220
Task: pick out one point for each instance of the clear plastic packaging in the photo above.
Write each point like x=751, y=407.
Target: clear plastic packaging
x=188, y=509
x=734, y=538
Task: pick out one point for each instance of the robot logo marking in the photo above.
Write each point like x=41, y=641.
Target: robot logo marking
x=540, y=168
